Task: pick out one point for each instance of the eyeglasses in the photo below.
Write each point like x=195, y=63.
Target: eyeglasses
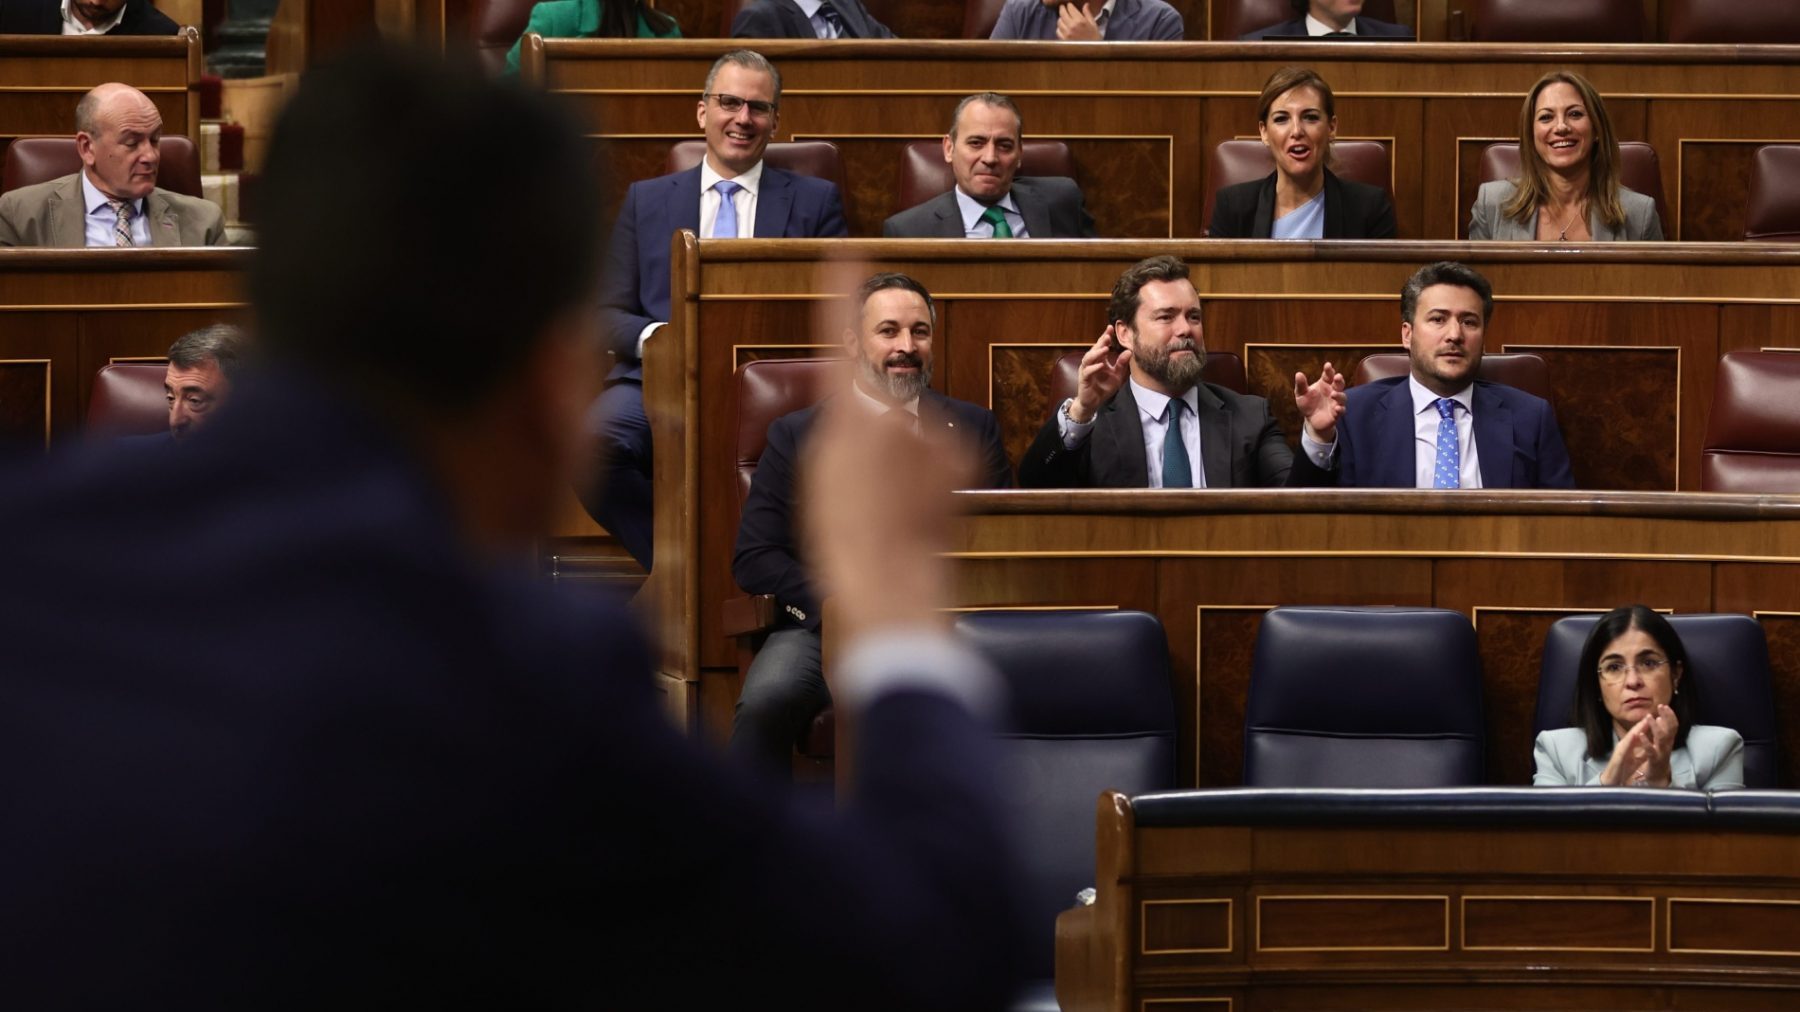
x=733, y=104
x=1649, y=666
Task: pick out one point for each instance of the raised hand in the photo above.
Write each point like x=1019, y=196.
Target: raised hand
x=1629, y=756
x=1321, y=402
x=1103, y=371
x=1659, y=729
x=1074, y=22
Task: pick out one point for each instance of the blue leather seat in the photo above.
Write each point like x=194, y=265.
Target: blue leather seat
x=1729, y=654
x=1092, y=711
x=1364, y=697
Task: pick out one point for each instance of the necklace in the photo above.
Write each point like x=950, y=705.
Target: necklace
x=1563, y=232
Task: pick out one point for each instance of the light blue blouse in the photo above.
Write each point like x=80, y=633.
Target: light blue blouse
x=1304, y=222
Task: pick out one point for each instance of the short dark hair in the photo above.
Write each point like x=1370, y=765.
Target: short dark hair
x=221, y=343
x=1590, y=710
x=1445, y=272
x=1125, y=301
x=390, y=265
x=886, y=280
x=992, y=98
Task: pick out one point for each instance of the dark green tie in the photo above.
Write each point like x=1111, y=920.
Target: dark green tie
x=998, y=218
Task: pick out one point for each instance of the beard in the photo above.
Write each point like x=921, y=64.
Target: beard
x=898, y=388
x=1173, y=373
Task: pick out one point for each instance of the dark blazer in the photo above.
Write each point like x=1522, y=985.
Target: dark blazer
x=1131, y=21
x=1297, y=27
x=1240, y=446
x=634, y=290
x=767, y=560
x=364, y=767
x=1353, y=210
x=783, y=19
x=44, y=17
x=1052, y=207
x=1516, y=440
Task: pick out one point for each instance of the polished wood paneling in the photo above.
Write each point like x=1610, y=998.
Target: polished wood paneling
x=25, y=401
x=1269, y=369
x=1352, y=923
x=43, y=77
x=1715, y=179
x=1021, y=401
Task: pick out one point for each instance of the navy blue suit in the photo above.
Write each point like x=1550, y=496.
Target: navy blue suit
x=1517, y=442
x=635, y=294
x=1294, y=29
x=271, y=738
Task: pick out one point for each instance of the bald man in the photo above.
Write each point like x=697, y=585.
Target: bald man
x=113, y=200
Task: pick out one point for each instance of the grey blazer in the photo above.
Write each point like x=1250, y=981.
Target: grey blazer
x=1051, y=205
x=51, y=214
x=1486, y=221
x=1712, y=760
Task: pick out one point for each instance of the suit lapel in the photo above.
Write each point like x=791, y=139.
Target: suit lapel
x=683, y=207
x=164, y=229
x=1035, y=212
x=949, y=216
x=1397, y=445
x=1215, y=439
x=1263, y=224
x=1493, y=438
x=774, y=202
x=856, y=24
x=1334, y=207
x=1119, y=444
x=66, y=216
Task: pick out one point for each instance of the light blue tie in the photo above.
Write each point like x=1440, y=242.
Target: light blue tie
x=725, y=226
x=1177, y=473
x=1448, y=473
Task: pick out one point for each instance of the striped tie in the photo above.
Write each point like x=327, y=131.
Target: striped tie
x=122, y=215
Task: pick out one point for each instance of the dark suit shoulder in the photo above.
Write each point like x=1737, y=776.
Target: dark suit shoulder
x=1512, y=396
x=922, y=221
x=142, y=19
x=1368, y=393
x=771, y=19
x=1234, y=208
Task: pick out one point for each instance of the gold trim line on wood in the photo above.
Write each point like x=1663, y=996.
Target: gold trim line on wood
x=115, y=307
x=1200, y=663
x=1476, y=610
x=1144, y=924
x=1419, y=897
x=1669, y=924
x=1147, y=1002
x=1189, y=553
x=1671, y=300
x=1463, y=923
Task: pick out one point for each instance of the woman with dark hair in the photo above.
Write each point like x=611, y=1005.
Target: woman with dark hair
x=1302, y=199
x=1634, y=705
x=1568, y=188
x=594, y=19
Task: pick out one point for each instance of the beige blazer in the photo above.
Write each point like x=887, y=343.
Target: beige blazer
x=51, y=214
x=1486, y=221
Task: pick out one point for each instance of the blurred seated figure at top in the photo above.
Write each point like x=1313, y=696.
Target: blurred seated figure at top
x=1329, y=18
x=83, y=17
x=1302, y=198
x=114, y=200
x=594, y=19
x=1089, y=21
x=1635, y=698
x=1568, y=188
x=807, y=19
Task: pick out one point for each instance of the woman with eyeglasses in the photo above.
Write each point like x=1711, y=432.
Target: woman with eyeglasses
x=1634, y=707
x=594, y=19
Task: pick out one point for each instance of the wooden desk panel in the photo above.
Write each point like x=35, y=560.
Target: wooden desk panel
x=43, y=77
x=1704, y=108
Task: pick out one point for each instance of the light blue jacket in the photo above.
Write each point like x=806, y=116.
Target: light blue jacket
x=1712, y=760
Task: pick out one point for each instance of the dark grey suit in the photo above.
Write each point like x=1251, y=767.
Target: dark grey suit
x=1240, y=446
x=783, y=19
x=1051, y=205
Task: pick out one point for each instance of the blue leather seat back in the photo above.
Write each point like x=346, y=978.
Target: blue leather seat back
x=1729, y=657
x=1092, y=712
x=1364, y=697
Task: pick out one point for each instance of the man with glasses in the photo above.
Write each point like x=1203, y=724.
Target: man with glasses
x=732, y=194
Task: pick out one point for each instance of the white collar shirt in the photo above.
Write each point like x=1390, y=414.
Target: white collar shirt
x=99, y=219
x=972, y=210
x=1316, y=27
x=1153, y=415
x=821, y=27
x=71, y=25
x=744, y=199
x=1425, y=435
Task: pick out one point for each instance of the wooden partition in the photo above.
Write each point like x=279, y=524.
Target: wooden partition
x=1143, y=118
x=1632, y=334
x=42, y=77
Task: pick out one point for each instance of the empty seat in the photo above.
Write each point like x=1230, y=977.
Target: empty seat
x=819, y=159
x=1522, y=370
x=1639, y=169
x=1773, y=211
x=1364, y=697
x=1222, y=367
x=1729, y=656
x=1753, y=434
x=1557, y=21
x=1232, y=19
x=1759, y=22
x=128, y=400
x=1243, y=161
x=924, y=174
x=32, y=160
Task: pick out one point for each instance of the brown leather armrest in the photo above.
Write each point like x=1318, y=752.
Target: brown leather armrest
x=748, y=615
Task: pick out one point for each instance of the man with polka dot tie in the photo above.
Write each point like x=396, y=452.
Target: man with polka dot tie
x=1441, y=427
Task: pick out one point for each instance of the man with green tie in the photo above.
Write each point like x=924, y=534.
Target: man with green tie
x=990, y=201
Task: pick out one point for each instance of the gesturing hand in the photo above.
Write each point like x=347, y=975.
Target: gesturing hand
x=1103, y=371
x=1074, y=22
x=1321, y=403
x=1641, y=758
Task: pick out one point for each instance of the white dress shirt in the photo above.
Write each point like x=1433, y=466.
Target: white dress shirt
x=99, y=221
x=73, y=26
x=744, y=199
x=1316, y=27
x=1425, y=433
x=821, y=27
x=1153, y=416
x=972, y=210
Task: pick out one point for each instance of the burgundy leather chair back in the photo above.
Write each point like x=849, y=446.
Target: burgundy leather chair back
x=819, y=159
x=1521, y=370
x=496, y=25
x=1753, y=434
x=1638, y=169
x=1232, y=18
x=1733, y=21
x=1773, y=214
x=1557, y=21
x=40, y=159
x=924, y=174
x=979, y=17
x=128, y=400
x=765, y=390
x=1222, y=367
x=1241, y=161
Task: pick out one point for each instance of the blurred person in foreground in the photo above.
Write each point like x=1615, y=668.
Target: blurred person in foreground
x=392, y=767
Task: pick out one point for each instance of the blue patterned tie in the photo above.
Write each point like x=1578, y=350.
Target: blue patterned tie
x=1448, y=473
x=834, y=21
x=725, y=225
x=1177, y=473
